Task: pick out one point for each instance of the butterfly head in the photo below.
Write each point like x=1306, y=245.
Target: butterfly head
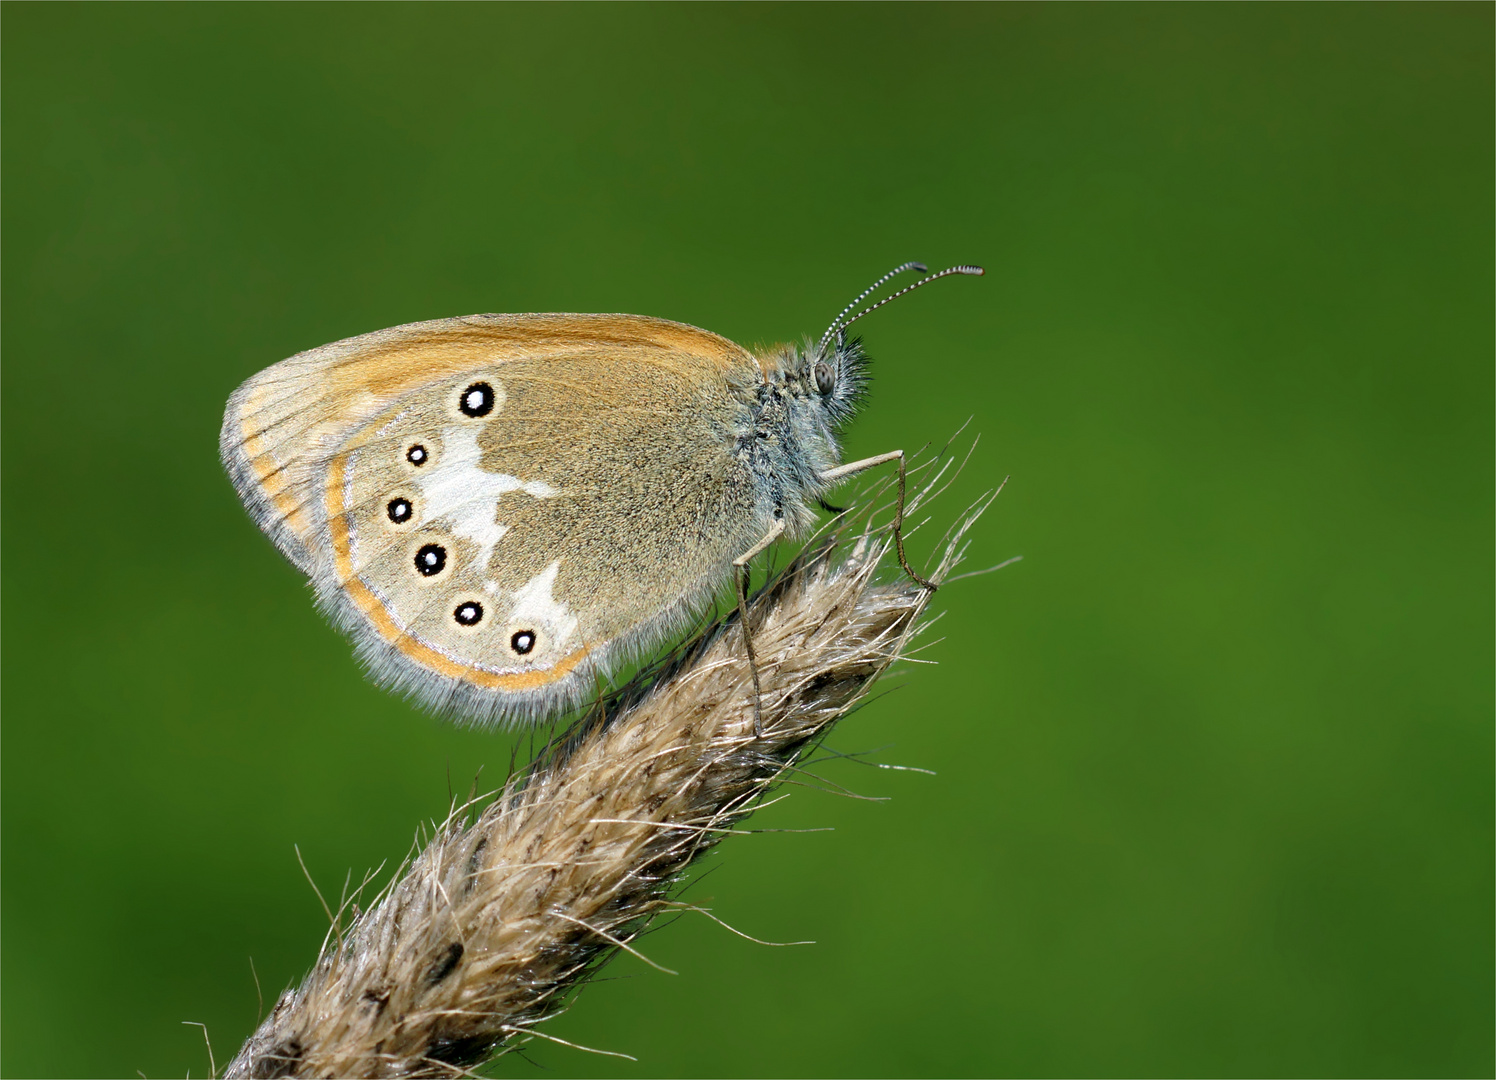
x=825, y=382
x=810, y=391
x=834, y=366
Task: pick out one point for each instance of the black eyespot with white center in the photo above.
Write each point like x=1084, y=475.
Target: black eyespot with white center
x=522, y=641
x=825, y=378
x=417, y=455
x=468, y=613
x=431, y=559
x=399, y=510
x=477, y=400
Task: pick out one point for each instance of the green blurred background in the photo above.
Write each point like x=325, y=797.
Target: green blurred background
x=1214, y=790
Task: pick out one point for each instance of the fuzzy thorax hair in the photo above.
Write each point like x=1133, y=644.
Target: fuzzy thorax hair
x=806, y=397
x=481, y=936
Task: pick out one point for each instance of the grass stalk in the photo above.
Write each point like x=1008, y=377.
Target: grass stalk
x=517, y=900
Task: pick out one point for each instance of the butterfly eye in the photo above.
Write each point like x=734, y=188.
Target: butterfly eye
x=431, y=559
x=468, y=613
x=825, y=378
x=399, y=511
x=417, y=455
x=522, y=641
x=477, y=400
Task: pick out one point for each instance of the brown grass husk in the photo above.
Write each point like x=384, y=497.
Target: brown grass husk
x=513, y=904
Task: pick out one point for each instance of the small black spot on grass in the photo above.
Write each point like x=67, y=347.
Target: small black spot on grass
x=465, y=1051
x=444, y=964
x=475, y=860
x=821, y=681
x=281, y=1060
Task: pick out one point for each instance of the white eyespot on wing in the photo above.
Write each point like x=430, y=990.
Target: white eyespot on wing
x=535, y=607
x=459, y=490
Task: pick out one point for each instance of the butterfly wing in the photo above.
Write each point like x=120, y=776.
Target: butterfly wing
x=280, y=424
x=495, y=507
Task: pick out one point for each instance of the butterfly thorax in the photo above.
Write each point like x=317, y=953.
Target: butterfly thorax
x=803, y=399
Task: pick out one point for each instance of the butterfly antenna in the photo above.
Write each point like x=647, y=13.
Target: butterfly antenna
x=974, y=271
x=874, y=287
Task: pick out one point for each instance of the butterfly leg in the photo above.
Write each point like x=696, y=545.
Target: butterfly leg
x=741, y=563
x=842, y=471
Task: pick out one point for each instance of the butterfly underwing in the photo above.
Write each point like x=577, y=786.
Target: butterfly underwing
x=499, y=509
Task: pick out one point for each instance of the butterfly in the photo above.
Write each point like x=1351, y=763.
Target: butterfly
x=499, y=509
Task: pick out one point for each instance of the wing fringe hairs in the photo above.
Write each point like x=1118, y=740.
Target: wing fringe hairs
x=512, y=905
